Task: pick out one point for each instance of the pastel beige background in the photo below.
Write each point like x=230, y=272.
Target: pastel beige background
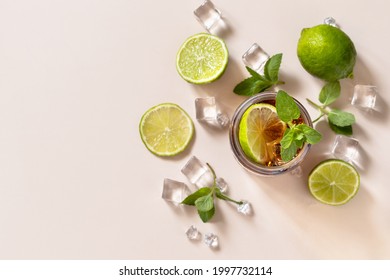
x=76, y=181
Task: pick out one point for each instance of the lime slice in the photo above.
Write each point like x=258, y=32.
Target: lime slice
x=166, y=129
x=334, y=182
x=202, y=58
x=260, y=129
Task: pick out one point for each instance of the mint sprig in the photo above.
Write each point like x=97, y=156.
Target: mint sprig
x=329, y=93
x=203, y=199
x=296, y=135
x=259, y=83
x=339, y=121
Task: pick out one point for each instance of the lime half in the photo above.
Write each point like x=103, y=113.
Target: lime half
x=334, y=182
x=202, y=58
x=260, y=129
x=166, y=129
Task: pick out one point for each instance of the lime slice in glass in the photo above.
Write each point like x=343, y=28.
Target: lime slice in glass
x=334, y=182
x=202, y=58
x=166, y=129
x=260, y=129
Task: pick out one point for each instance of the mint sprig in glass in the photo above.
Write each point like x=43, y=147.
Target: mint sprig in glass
x=296, y=134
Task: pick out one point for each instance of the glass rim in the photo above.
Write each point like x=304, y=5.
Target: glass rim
x=239, y=154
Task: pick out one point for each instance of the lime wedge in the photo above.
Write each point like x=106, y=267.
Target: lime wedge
x=260, y=129
x=202, y=58
x=166, y=129
x=334, y=182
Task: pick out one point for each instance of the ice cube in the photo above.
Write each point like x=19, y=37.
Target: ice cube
x=208, y=15
x=255, y=58
x=223, y=119
x=211, y=240
x=244, y=208
x=345, y=148
x=330, y=21
x=198, y=173
x=364, y=96
x=206, y=111
x=174, y=191
x=297, y=171
x=221, y=184
x=192, y=233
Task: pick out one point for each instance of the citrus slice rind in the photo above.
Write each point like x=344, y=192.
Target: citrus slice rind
x=259, y=130
x=202, y=58
x=166, y=129
x=334, y=182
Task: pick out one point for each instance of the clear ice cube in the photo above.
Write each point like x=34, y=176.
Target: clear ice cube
x=211, y=240
x=244, y=208
x=223, y=119
x=174, y=191
x=330, y=21
x=364, y=96
x=206, y=111
x=221, y=184
x=297, y=171
x=255, y=58
x=345, y=148
x=198, y=173
x=208, y=15
x=192, y=233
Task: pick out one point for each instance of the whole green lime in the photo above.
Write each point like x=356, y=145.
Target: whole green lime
x=326, y=52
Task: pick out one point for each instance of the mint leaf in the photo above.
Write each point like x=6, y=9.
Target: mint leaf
x=299, y=135
x=203, y=199
x=344, y=130
x=205, y=216
x=295, y=135
x=287, y=139
x=341, y=118
x=286, y=107
x=340, y=122
x=190, y=200
x=271, y=68
x=289, y=153
x=254, y=73
x=329, y=93
x=251, y=86
x=299, y=142
x=247, y=87
x=312, y=136
x=205, y=203
x=258, y=83
x=262, y=86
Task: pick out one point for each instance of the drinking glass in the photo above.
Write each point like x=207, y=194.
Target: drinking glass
x=289, y=167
